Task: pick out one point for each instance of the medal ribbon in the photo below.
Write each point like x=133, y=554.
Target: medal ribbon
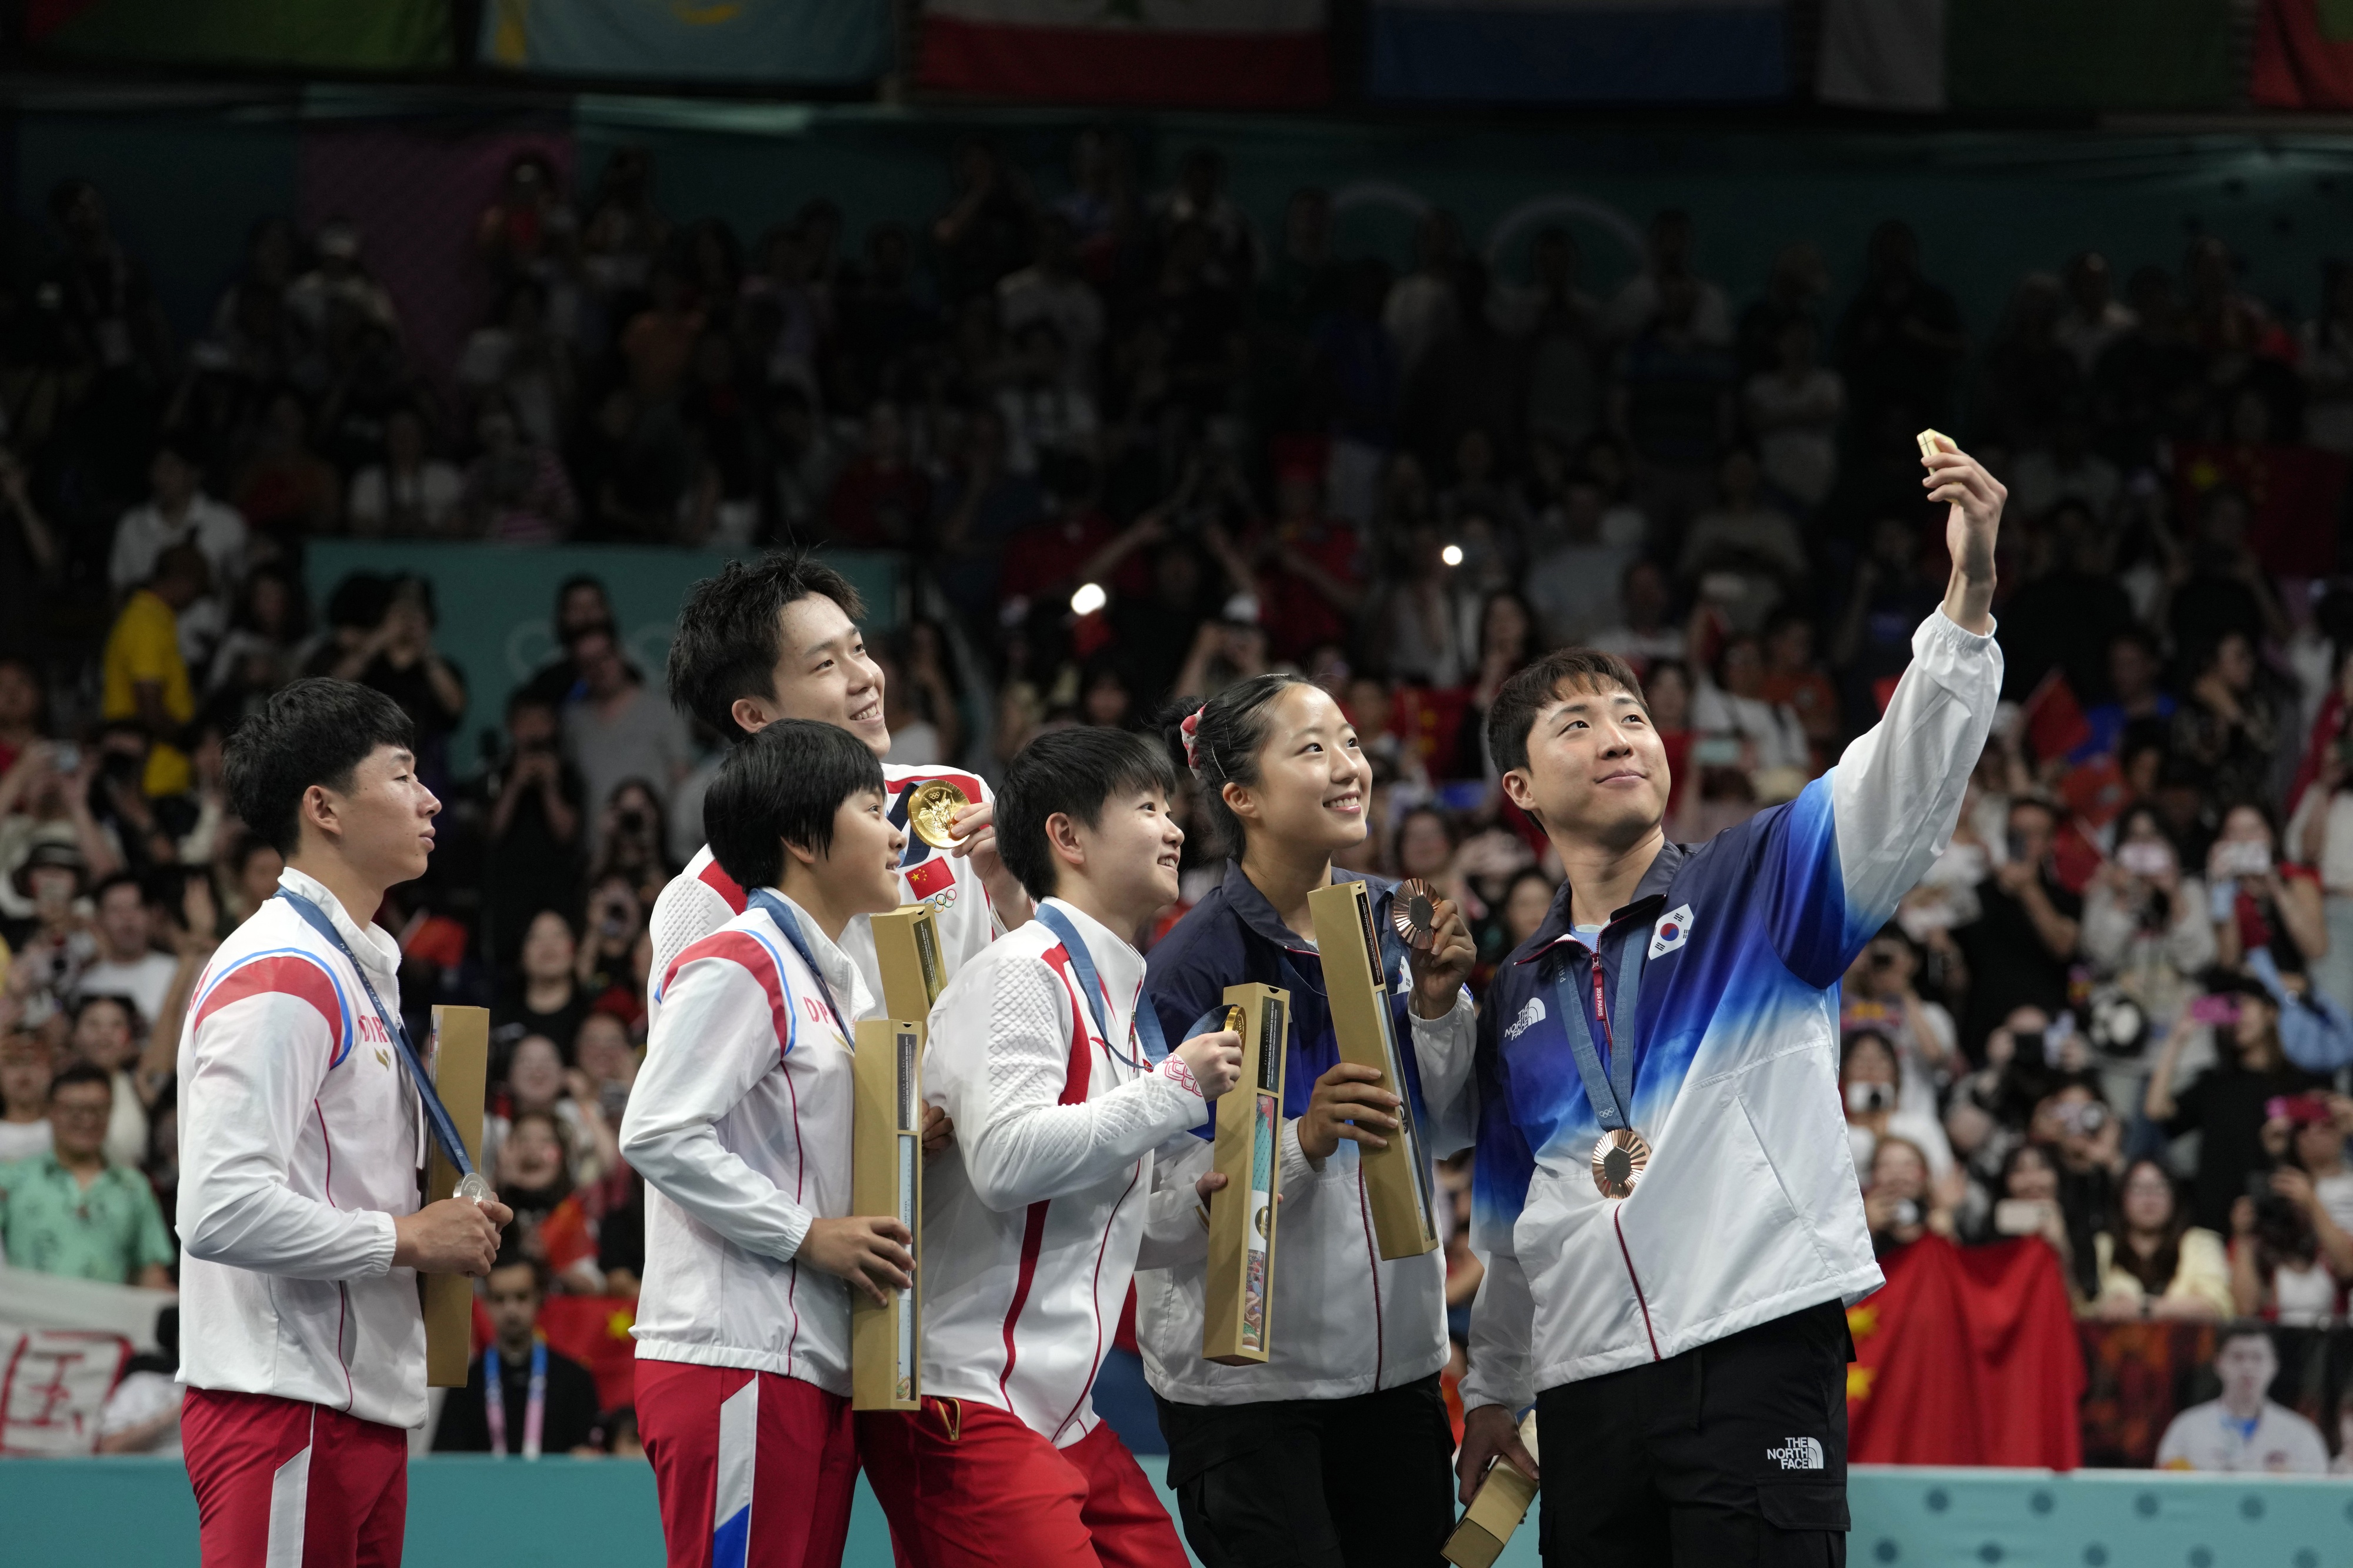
x=535, y=1405
x=781, y=913
x=1144, y=1024
x=436, y=1115
x=915, y=850
x=1611, y=1092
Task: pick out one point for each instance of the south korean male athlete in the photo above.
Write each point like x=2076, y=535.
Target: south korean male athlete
x=1664, y=1197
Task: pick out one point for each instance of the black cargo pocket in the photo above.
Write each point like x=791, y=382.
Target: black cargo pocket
x=1798, y=1506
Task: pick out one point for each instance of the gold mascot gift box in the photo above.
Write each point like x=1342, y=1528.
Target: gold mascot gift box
x=1496, y=1509
x=1397, y=1183
x=1238, y=1300
x=907, y=952
x=461, y=1057
x=886, y=1144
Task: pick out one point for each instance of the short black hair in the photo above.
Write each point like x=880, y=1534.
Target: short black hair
x=783, y=784
x=77, y=1072
x=728, y=638
x=315, y=731
x=1226, y=741
x=1070, y=772
x=117, y=880
x=1520, y=699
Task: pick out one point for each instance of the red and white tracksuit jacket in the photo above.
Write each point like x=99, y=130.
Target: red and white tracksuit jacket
x=702, y=897
x=1034, y=1216
x=300, y=1140
x=740, y=1123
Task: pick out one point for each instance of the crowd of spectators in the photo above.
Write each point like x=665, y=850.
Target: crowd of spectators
x=1130, y=448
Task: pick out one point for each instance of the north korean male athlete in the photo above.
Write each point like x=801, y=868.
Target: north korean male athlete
x=1665, y=1198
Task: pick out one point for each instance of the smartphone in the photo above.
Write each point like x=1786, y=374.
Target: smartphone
x=2221, y=1009
x=2241, y=858
x=2017, y=1216
x=65, y=757
x=2143, y=859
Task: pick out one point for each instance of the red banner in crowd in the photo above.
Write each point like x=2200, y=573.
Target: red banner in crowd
x=1967, y=1357
x=2304, y=54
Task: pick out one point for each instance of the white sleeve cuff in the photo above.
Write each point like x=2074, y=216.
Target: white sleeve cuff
x=381, y=1248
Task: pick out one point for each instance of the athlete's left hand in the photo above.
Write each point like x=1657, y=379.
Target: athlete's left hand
x=973, y=830
x=1441, y=969
x=939, y=1131
x=1973, y=501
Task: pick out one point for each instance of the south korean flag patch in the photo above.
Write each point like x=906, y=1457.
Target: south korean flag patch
x=1672, y=931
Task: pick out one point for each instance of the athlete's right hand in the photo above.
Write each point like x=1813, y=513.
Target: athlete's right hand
x=1489, y=1433
x=1215, y=1061
x=456, y=1236
x=1348, y=1103
x=868, y=1250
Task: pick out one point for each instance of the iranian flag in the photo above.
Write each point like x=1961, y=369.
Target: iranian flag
x=1201, y=53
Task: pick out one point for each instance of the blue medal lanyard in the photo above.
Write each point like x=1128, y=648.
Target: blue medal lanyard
x=786, y=921
x=1611, y=1092
x=534, y=1405
x=1144, y=1024
x=436, y=1115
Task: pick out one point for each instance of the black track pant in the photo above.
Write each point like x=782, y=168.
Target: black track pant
x=1730, y=1456
x=1365, y=1482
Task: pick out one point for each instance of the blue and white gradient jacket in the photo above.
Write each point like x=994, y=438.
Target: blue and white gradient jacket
x=1749, y=1209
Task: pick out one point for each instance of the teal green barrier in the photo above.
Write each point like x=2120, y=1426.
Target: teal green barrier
x=496, y=604
x=568, y=1513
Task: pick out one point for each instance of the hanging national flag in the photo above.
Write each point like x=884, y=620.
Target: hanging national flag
x=1198, y=53
x=1594, y=51
x=2304, y=54
x=334, y=34
x=1934, y=55
x=836, y=41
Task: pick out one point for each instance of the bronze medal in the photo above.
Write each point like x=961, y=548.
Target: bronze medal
x=1413, y=909
x=930, y=811
x=1618, y=1160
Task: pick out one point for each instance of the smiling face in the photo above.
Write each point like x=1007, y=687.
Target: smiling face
x=1313, y=779
x=823, y=673
x=532, y=1157
x=102, y=1033
x=1597, y=769
x=1130, y=854
x=860, y=871
x=2147, y=1198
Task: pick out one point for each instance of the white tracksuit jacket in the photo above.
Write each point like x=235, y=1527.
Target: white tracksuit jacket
x=740, y=1122
x=300, y=1136
x=1749, y=1209
x=1034, y=1216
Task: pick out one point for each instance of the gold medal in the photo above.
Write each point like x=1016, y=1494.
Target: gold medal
x=930, y=811
x=1618, y=1159
x=1413, y=909
x=1235, y=1020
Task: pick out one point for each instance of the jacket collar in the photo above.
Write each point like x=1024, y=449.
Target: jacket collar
x=1243, y=898
x=834, y=966
x=1652, y=889
x=1116, y=962
x=370, y=943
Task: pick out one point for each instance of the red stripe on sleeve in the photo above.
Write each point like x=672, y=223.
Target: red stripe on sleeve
x=746, y=953
x=282, y=975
